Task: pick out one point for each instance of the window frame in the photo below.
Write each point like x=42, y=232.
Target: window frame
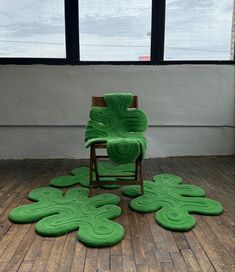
x=71, y=14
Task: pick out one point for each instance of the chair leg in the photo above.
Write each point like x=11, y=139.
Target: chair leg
x=141, y=177
x=91, y=172
x=95, y=164
x=136, y=169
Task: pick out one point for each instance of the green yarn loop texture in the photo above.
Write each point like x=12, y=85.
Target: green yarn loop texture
x=118, y=126
x=172, y=201
x=58, y=213
x=81, y=175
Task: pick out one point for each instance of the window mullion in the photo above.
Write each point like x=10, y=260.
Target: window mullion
x=158, y=31
x=72, y=31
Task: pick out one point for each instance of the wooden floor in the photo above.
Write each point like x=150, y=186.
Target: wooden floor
x=146, y=247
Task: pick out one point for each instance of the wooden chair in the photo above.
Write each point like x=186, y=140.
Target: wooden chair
x=137, y=176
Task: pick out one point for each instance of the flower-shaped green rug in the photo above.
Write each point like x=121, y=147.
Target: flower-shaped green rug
x=80, y=175
x=58, y=213
x=172, y=201
x=119, y=126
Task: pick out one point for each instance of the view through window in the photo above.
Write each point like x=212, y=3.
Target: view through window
x=32, y=29
x=198, y=29
x=115, y=30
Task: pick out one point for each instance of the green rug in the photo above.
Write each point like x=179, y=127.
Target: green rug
x=81, y=175
x=58, y=213
x=122, y=128
x=172, y=201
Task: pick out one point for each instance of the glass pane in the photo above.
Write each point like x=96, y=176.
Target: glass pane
x=32, y=28
x=198, y=29
x=115, y=30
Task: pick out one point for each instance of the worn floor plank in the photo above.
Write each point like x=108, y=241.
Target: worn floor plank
x=146, y=246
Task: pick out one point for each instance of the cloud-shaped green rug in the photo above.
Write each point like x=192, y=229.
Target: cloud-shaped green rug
x=80, y=175
x=58, y=213
x=118, y=126
x=172, y=201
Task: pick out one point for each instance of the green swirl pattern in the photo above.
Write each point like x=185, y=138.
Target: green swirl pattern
x=58, y=213
x=172, y=201
x=81, y=175
x=120, y=127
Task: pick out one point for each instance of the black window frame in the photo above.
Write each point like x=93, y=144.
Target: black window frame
x=71, y=10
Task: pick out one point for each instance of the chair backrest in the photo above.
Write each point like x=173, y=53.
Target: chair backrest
x=98, y=101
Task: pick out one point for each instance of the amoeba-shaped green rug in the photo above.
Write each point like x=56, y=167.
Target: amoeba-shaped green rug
x=120, y=127
x=80, y=175
x=172, y=201
x=58, y=213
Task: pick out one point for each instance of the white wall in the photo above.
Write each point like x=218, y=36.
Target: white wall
x=186, y=105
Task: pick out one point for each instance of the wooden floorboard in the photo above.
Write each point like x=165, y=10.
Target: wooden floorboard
x=146, y=246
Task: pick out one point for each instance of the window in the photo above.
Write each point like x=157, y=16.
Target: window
x=32, y=29
x=198, y=29
x=115, y=30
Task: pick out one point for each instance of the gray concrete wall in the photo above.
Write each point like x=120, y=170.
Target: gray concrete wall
x=190, y=107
